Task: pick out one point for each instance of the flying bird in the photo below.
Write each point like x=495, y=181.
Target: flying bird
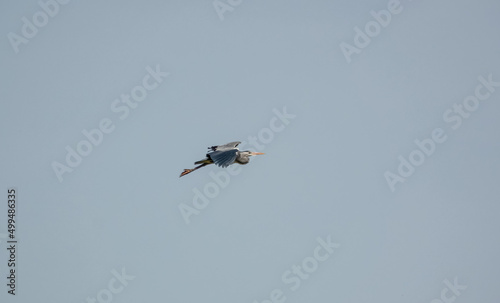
x=223, y=156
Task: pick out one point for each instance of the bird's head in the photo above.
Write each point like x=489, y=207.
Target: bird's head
x=251, y=153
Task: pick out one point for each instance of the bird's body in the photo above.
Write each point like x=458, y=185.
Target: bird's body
x=223, y=156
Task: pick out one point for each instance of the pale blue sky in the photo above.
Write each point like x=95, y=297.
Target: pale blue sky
x=322, y=175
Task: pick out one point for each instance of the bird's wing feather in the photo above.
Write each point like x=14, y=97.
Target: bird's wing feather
x=223, y=158
x=228, y=146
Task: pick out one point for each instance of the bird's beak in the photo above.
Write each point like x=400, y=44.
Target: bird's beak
x=255, y=154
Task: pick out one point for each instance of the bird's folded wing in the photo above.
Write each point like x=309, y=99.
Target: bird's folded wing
x=223, y=158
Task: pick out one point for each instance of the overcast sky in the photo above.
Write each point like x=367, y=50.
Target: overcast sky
x=378, y=120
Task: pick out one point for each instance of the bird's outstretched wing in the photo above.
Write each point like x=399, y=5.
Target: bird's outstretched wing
x=223, y=158
x=229, y=146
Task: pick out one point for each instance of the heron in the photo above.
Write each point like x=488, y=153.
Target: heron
x=223, y=156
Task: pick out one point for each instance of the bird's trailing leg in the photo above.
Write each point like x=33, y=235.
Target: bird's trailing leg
x=187, y=170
